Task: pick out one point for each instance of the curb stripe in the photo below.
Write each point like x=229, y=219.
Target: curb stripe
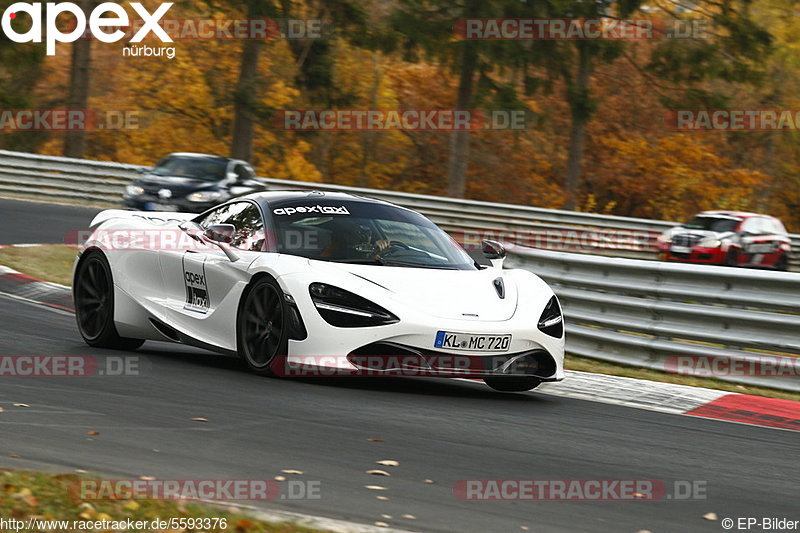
x=754, y=410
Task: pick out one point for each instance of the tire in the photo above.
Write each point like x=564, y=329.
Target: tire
x=512, y=384
x=782, y=263
x=262, y=331
x=93, y=293
x=732, y=258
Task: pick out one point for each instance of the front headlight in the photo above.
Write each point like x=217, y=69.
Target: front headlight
x=710, y=242
x=344, y=309
x=133, y=190
x=204, y=196
x=552, y=321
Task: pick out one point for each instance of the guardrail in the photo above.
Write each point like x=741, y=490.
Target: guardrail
x=672, y=316
x=62, y=178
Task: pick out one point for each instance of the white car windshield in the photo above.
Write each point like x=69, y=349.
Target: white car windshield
x=364, y=233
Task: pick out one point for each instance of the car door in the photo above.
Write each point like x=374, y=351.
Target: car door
x=757, y=242
x=203, y=285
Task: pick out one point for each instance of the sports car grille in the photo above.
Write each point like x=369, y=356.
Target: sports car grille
x=389, y=357
x=686, y=240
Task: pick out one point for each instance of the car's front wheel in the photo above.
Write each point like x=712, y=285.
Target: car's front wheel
x=512, y=384
x=93, y=292
x=261, y=327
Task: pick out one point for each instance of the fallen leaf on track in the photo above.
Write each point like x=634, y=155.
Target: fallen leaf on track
x=280, y=478
x=293, y=472
x=710, y=516
x=383, y=498
x=388, y=462
x=199, y=419
x=92, y=432
x=21, y=405
x=378, y=472
x=375, y=439
x=381, y=524
x=428, y=481
x=375, y=487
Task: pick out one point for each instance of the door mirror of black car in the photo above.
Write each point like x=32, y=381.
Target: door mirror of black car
x=220, y=233
x=493, y=250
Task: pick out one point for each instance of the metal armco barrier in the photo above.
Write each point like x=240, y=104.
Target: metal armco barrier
x=672, y=316
x=62, y=178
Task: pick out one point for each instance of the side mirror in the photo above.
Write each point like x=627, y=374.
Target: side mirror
x=220, y=233
x=493, y=250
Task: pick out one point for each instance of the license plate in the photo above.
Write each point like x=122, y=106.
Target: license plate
x=152, y=206
x=761, y=248
x=680, y=249
x=472, y=342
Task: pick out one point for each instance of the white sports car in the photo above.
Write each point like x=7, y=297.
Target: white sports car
x=301, y=283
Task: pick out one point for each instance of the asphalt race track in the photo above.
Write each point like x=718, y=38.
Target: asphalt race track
x=440, y=430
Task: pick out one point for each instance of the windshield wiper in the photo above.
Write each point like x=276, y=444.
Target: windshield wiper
x=372, y=261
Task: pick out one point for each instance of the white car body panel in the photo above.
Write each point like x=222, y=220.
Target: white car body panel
x=150, y=285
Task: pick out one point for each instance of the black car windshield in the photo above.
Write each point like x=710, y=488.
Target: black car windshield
x=712, y=223
x=364, y=233
x=198, y=168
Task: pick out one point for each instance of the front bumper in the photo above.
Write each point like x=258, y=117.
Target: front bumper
x=697, y=254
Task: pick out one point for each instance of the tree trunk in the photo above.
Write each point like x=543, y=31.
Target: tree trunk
x=459, y=140
x=79, y=77
x=246, y=95
x=579, y=113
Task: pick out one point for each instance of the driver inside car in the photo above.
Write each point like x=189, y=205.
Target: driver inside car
x=350, y=240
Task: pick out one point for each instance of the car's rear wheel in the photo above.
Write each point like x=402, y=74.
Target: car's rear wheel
x=262, y=332
x=732, y=257
x=782, y=263
x=512, y=384
x=93, y=292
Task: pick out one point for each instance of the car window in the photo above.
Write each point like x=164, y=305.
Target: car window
x=243, y=172
x=752, y=226
x=198, y=168
x=712, y=223
x=246, y=218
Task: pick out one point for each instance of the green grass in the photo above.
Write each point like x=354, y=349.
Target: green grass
x=25, y=494
x=50, y=262
x=54, y=263
x=602, y=367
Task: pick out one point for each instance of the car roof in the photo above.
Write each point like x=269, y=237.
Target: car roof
x=737, y=214
x=273, y=197
x=195, y=155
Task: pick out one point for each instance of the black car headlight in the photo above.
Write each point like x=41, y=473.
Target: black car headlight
x=344, y=309
x=552, y=321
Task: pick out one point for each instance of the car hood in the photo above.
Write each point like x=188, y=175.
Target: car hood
x=698, y=233
x=153, y=183
x=452, y=294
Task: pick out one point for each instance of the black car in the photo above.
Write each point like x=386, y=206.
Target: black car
x=191, y=183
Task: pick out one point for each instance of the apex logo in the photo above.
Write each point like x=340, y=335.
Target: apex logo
x=98, y=22
x=320, y=209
